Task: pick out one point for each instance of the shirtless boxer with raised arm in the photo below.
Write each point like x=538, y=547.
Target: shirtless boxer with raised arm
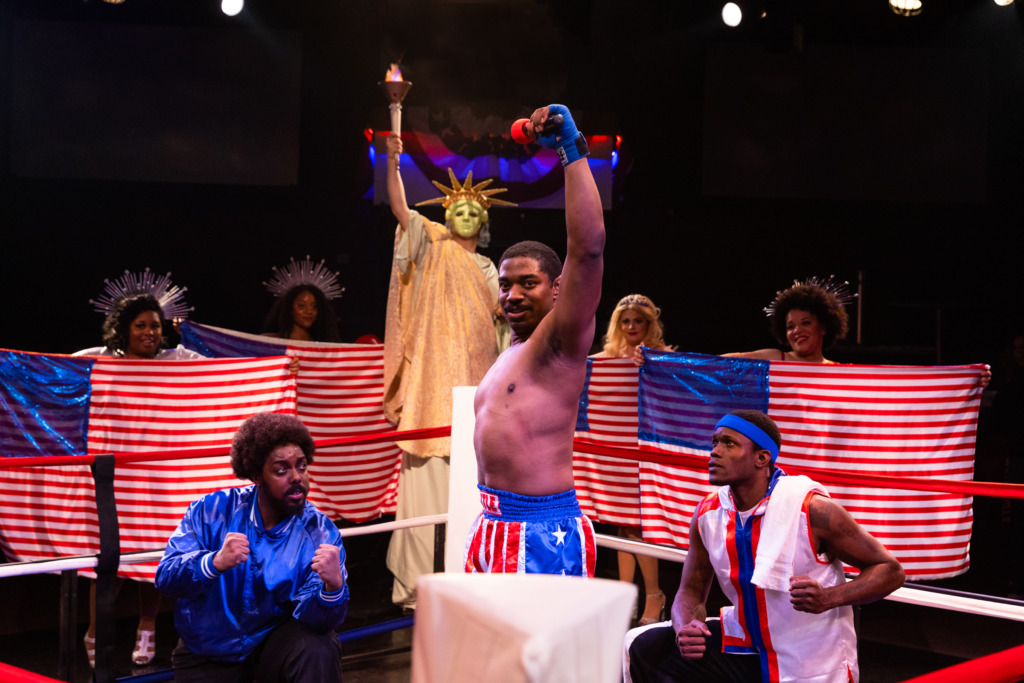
x=526, y=404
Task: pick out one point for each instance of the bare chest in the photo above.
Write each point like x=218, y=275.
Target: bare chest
x=505, y=384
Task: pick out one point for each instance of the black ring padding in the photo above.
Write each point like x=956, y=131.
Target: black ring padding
x=106, y=511
x=106, y=567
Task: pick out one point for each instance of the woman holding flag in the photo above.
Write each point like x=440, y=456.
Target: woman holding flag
x=137, y=307
x=636, y=322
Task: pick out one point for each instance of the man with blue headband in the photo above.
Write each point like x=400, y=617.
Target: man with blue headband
x=777, y=545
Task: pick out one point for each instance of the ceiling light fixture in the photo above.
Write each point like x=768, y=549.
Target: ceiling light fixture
x=906, y=8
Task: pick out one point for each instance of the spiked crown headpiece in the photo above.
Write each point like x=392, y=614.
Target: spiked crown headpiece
x=305, y=272
x=170, y=297
x=467, y=191
x=839, y=291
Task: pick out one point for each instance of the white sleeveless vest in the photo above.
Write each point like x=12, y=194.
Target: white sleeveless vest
x=792, y=645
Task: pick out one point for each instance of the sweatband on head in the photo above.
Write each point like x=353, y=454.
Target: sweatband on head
x=752, y=432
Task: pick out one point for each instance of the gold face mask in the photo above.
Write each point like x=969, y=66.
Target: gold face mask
x=469, y=199
x=465, y=217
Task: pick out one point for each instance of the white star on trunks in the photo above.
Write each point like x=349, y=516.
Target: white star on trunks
x=560, y=535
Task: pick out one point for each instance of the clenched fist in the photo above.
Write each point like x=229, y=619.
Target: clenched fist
x=328, y=567
x=806, y=595
x=233, y=552
x=690, y=639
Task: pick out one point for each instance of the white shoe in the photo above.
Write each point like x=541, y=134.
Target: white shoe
x=145, y=647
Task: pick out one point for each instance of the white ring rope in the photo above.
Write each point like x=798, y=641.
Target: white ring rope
x=60, y=564
x=1008, y=609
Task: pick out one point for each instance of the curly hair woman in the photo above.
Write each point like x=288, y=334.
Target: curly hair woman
x=134, y=328
x=809, y=318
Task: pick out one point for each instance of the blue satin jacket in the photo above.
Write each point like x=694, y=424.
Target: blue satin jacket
x=225, y=616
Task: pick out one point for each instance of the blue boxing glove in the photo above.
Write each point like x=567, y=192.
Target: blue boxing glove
x=564, y=138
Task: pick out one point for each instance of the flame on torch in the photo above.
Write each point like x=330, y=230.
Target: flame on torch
x=394, y=73
x=395, y=89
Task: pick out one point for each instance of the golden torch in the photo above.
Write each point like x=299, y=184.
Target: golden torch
x=395, y=89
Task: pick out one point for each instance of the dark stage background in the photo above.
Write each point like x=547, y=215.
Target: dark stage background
x=830, y=137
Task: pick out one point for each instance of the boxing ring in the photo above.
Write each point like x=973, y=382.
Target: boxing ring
x=1007, y=666
x=69, y=566
x=1004, y=666
x=588, y=451
x=111, y=560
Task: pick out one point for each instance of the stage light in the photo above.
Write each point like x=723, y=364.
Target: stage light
x=732, y=15
x=906, y=8
x=231, y=7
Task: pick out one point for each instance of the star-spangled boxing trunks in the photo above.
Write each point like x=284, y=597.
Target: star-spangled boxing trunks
x=518, y=534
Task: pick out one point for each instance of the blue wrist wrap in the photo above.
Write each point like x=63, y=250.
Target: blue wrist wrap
x=573, y=150
x=567, y=140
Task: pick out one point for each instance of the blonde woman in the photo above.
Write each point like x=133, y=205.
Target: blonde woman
x=636, y=322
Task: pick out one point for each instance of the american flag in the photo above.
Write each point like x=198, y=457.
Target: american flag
x=607, y=487
x=59, y=405
x=882, y=420
x=138, y=406
x=903, y=421
x=340, y=389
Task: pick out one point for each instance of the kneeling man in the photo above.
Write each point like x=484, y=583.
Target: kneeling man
x=259, y=572
x=777, y=545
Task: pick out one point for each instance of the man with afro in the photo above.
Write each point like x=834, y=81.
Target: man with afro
x=258, y=571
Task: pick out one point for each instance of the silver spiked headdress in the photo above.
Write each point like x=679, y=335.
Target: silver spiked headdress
x=170, y=297
x=305, y=272
x=840, y=291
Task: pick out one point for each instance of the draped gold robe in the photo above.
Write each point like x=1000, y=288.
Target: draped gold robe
x=440, y=329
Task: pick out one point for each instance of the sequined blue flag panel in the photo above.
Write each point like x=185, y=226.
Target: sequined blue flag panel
x=44, y=404
x=683, y=395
